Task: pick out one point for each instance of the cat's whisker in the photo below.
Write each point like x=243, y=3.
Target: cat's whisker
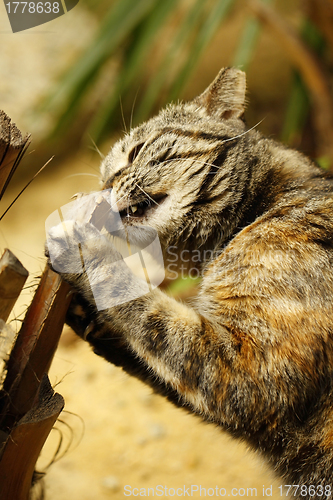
x=96, y=148
x=25, y=187
x=115, y=204
x=127, y=210
x=202, y=162
x=243, y=133
x=146, y=194
x=122, y=115
x=132, y=110
x=81, y=173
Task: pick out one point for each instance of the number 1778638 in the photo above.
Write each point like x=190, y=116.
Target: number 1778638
x=33, y=7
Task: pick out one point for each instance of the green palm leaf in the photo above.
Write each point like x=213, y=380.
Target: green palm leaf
x=119, y=24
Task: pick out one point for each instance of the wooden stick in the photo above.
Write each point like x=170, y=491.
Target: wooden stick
x=34, y=348
x=22, y=448
x=12, y=278
x=28, y=405
x=12, y=148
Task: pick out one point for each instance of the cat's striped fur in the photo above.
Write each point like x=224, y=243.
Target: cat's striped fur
x=254, y=354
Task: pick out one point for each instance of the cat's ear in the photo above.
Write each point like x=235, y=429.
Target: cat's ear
x=225, y=96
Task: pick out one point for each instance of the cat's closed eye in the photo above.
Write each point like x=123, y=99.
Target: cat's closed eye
x=134, y=152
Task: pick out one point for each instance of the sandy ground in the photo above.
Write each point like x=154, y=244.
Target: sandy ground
x=119, y=434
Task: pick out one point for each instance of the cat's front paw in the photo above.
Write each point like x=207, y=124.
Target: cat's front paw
x=87, y=260
x=64, y=246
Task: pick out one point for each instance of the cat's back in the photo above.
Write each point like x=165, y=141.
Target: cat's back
x=273, y=282
x=271, y=288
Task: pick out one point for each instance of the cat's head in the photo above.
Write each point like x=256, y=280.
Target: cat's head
x=176, y=172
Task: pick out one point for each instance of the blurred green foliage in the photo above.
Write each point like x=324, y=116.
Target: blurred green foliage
x=180, y=33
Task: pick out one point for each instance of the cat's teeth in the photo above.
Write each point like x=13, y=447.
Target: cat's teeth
x=134, y=208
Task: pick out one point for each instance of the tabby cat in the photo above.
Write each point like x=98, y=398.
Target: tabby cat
x=254, y=352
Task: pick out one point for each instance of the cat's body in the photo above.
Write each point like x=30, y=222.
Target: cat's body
x=254, y=354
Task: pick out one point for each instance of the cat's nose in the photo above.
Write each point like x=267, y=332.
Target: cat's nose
x=108, y=184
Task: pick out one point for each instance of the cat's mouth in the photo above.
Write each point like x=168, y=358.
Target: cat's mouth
x=144, y=208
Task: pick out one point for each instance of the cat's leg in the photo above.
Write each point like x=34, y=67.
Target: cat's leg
x=105, y=271
x=84, y=319
x=155, y=337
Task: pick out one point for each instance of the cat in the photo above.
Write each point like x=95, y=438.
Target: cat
x=253, y=353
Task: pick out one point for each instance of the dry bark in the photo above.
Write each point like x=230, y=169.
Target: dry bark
x=13, y=145
x=28, y=405
x=12, y=278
